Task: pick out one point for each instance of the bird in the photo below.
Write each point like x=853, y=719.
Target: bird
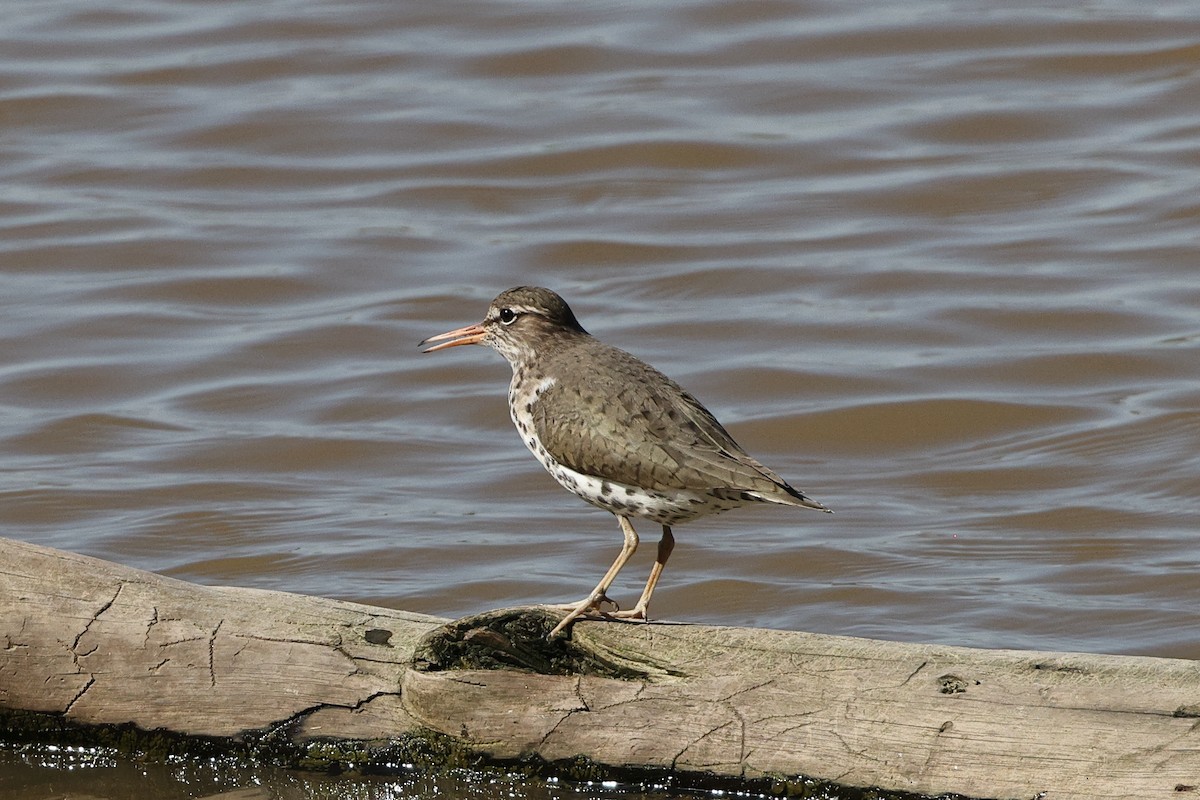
x=615, y=431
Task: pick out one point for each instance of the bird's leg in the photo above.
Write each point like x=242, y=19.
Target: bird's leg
x=600, y=593
x=665, y=545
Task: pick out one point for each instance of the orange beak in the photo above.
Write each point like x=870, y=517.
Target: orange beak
x=472, y=334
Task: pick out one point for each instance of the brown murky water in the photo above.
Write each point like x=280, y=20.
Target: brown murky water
x=935, y=263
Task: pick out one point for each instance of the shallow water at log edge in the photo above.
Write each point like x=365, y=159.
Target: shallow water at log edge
x=935, y=263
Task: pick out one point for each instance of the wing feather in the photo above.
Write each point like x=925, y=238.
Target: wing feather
x=633, y=425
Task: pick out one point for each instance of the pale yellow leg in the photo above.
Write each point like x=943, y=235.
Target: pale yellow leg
x=665, y=545
x=599, y=594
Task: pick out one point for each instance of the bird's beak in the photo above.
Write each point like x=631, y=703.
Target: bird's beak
x=472, y=334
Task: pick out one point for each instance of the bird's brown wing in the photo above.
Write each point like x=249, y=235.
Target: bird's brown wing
x=631, y=424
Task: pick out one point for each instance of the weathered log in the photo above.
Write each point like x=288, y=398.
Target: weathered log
x=89, y=643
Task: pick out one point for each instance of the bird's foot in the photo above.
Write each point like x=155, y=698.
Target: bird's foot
x=591, y=605
x=592, y=610
x=637, y=612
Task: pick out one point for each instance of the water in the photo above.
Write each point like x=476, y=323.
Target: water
x=935, y=264
x=76, y=773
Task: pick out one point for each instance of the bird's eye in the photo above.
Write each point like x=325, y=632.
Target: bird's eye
x=508, y=316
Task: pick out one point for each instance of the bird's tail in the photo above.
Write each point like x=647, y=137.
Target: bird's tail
x=790, y=496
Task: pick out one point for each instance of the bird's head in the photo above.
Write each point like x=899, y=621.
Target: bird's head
x=518, y=323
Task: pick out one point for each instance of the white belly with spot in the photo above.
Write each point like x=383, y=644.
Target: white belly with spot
x=619, y=498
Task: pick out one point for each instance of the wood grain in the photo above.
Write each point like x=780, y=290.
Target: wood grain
x=100, y=644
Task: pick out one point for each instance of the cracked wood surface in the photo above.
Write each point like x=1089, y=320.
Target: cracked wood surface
x=103, y=644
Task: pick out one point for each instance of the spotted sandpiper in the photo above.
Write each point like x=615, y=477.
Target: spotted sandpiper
x=615, y=431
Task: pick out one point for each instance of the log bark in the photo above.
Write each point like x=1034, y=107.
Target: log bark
x=91, y=643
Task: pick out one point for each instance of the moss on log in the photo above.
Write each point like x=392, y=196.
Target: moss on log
x=87, y=645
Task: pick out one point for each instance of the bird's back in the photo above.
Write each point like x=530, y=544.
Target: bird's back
x=628, y=423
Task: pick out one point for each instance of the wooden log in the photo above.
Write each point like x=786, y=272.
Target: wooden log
x=90, y=643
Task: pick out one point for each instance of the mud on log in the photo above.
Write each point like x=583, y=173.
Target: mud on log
x=89, y=643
